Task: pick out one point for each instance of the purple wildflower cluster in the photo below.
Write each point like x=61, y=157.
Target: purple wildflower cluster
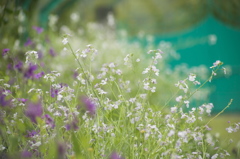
x=5, y=51
x=90, y=106
x=34, y=110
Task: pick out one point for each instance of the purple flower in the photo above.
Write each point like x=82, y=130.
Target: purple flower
x=68, y=126
x=114, y=155
x=75, y=74
x=31, y=133
x=52, y=52
x=3, y=101
x=10, y=66
x=22, y=100
x=39, y=30
x=49, y=121
x=28, y=42
x=5, y=51
x=26, y=154
x=73, y=125
x=33, y=111
x=19, y=66
x=40, y=54
x=29, y=73
x=61, y=150
x=54, y=91
x=90, y=105
x=38, y=75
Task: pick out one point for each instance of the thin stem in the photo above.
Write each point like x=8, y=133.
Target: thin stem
x=88, y=81
x=230, y=102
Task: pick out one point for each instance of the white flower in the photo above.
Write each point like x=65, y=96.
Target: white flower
x=143, y=96
x=104, y=81
x=173, y=109
x=119, y=72
x=182, y=85
x=182, y=134
x=150, y=51
x=2, y=148
x=179, y=98
x=146, y=86
x=111, y=65
x=31, y=55
x=59, y=97
x=229, y=129
x=217, y=63
x=6, y=85
x=171, y=133
x=52, y=76
x=132, y=100
x=153, y=89
x=196, y=82
x=209, y=107
x=187, y=103
x=100, y=91
x=65, y=41
x=158, y=56
x=145, y=71
x=138, y=60
x=191, y=77
x=37, y=144
x=214, y=156
x=224, y=70
x=154, y=81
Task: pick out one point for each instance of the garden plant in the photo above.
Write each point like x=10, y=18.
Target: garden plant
x=93, y=94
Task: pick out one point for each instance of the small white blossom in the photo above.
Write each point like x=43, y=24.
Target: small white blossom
x=2, y=148
x=171, y=133
x=229, y=129
x=187, y=103
x=65, y=41
x=143, y=96
x=6, y=85
x=224, y=70
x=145, y=71
x=191, y=77
x=196, y=82
x=37, y=144
x=179, y=98
x=214, y=156
x=153, y=89
x=173, y=109
x=146, y=86
x=150, y=51
x=182, y=85
x=119, y=72
x=132, y=100
x=111, y=65
x=100, y=91
x=217, y=63
x=52, y=76
x=31, y=56
x=158, y=56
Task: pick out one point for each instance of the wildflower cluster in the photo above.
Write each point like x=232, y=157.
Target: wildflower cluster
x=90, y=106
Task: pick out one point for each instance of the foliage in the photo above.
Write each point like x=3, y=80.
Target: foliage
x=63, y=98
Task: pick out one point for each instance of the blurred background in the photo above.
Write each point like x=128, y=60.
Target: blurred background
x=201, y=31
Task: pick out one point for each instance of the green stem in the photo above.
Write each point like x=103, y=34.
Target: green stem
x=87, y=79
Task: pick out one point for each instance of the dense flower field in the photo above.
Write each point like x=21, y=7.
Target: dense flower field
x=99, y=96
